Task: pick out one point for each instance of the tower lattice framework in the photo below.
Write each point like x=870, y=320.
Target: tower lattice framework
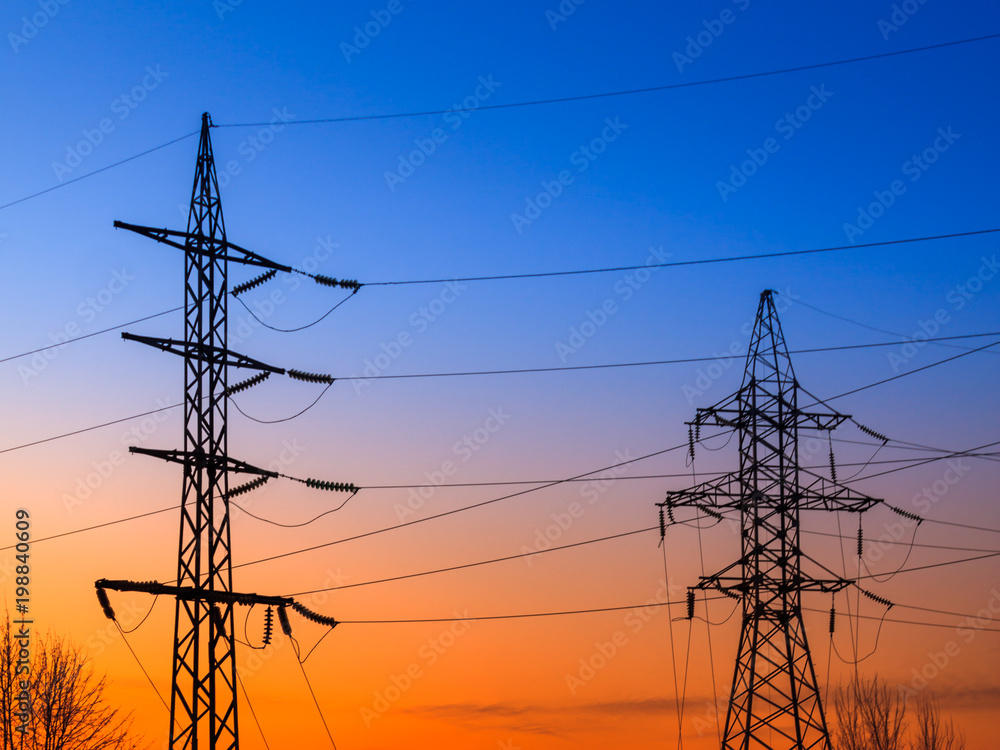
x=775, y=702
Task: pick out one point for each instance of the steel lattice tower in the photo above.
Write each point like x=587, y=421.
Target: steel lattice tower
x=775, y=703
x=203, y=699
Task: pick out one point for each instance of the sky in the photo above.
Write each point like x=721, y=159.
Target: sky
x=720, y=165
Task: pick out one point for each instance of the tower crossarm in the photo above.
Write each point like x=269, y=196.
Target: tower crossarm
x=201, y=459
x=823, y=493
x=744, y=416
x=221, y=249
x=729, y=584
x=721, y=493
x=204, y=352
x=190, y=593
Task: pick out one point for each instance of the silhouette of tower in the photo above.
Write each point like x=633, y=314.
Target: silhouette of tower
x=775, y=703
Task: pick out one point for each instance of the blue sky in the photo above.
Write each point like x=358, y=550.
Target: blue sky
x=623, y=179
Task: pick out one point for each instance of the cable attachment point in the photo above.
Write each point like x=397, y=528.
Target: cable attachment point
x=690, y=604
x=102, y=597
x=663, y=524
x=314, y=616
x=268, y=625
x=341, y=283
x=861, y=539
x=319, y=484
x=833, y=618
x=286, y=626
x=871, y=433
x=710, y=512
x=246, y=286
x=691, y=442
x=833, y=463
x=906, y=514
x=248, y=383
x=876, y=598
x=248, y=487
x=309, y=377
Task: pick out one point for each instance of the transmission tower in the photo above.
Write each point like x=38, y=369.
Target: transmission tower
x=203, y=699
x=775, y=703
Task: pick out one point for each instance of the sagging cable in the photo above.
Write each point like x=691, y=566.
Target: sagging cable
x=310, y=377
x=246, y=286
x=248, y=383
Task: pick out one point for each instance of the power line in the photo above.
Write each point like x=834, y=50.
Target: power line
x=626, y=92
x=931, y=565
x=565, y=273
x=905, y=339
x=521, y=615
x=455, y=511
x=299, y=328
x=557, y=100
x=675, y=264
x=644, y=477
x=475, y=564
x=911, y=372
x=90, y=335
x=98, y=526
x=98, y=171
x=682, y=361
x=902, y=622
x=88, y=429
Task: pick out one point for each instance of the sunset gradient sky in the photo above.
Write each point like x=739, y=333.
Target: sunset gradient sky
x=866, y=152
